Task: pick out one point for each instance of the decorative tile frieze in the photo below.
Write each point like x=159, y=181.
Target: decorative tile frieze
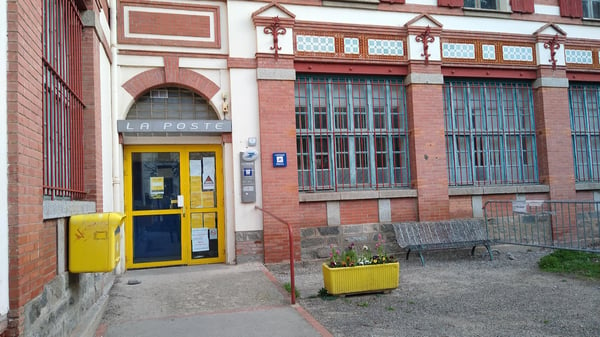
x=517, y=53
x=578, y=56
x=315, y=44
x=386, y=47
x=488, y=51
x=351, y=45
x=458, y=50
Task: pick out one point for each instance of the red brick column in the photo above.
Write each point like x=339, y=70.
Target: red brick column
x=554, y=145
x=553, y=130
x=27, y=272
x=92, y=117
x=278, y=134
x=425, y=103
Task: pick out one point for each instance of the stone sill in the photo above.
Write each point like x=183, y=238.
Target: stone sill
x=357, y=195
x=481, y=190
x=587, y=186
x=54, y=209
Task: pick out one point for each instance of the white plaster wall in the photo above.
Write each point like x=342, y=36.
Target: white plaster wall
x=3, y=166
x=241, y=28
x=547, y=10
x=107, y=133
x=422, y=2
x=245, y=124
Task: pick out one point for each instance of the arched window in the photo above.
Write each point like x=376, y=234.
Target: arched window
x=171, y=103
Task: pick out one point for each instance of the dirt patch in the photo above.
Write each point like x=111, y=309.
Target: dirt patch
x=459, y=295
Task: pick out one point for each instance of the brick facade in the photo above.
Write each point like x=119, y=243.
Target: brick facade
x=26, y=229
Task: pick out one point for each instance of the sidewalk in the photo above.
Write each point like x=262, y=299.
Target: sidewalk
x=207, y=300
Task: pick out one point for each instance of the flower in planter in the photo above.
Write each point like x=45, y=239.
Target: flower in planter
x=352, y=257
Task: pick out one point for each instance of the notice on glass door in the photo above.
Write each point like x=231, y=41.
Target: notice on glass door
x=200, y=239
x=157, y=187
x=208, y=174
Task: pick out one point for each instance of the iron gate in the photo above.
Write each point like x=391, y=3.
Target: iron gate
x=573, y=225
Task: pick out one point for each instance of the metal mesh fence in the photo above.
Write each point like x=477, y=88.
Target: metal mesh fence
x=554, y=224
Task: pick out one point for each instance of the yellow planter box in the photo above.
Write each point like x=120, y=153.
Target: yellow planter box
x=361, y=279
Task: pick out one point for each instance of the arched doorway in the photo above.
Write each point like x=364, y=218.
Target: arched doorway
x=174, y=198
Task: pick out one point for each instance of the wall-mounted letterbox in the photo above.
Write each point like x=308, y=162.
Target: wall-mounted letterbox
x=94, y=242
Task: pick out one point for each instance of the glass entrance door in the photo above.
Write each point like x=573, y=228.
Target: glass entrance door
x=174, y=205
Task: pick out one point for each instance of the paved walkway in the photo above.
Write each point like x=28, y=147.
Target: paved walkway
x=208, y=300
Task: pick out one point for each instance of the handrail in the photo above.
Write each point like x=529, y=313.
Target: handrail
x=291, y=243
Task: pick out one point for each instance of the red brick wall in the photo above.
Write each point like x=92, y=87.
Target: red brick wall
x=279, y=185
x=461, y=207
x=359, y=211
x=404, y=209
x=313, y=214
x=27, y=270
x=585, y=195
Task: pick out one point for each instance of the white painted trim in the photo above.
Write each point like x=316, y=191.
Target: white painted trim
x=3, y=165
x=547, y=10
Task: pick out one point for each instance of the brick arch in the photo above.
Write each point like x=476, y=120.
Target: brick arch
x=171, y=74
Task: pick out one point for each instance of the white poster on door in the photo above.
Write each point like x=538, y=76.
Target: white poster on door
x=208, y=174
x=199, y=239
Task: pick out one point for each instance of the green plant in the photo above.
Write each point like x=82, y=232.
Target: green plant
x=352, y=256
x=288, y=287
x=572, y=262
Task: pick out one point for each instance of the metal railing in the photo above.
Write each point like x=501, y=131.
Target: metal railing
x=573, y=225
x=291, y=243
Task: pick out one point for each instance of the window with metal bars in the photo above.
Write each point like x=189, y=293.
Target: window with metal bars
x=584, y=102
x=490, y=133
x=591, y=9
x=62, y=100
x=351, y=133
x=482, y=4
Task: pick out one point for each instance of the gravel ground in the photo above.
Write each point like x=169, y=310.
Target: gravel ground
x=459, y=295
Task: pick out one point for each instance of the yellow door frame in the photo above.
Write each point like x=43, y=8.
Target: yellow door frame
x=185, y=211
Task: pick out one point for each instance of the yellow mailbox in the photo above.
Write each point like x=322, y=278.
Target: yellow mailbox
x=94, y=242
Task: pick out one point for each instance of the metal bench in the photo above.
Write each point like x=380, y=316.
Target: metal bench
x=422, y=236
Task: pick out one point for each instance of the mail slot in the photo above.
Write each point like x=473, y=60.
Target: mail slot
x=94, y=242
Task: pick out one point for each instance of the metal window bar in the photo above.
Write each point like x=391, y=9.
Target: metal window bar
x=351, y=133
x=571, y=225
x=584, y=104
x=62, y=100
x=490, y=133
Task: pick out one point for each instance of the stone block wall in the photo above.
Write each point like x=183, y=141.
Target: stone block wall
x=316, y=242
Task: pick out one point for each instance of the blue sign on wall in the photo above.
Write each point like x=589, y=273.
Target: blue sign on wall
x=279, y=159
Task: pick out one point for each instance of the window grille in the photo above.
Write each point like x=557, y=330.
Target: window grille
x=62, y=100
x=482, y=4
x=351, y=133
x=171, y=103
x=584, y=102
x=591, y=9
x=490, y=133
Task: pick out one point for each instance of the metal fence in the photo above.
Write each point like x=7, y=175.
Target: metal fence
x=571, y=225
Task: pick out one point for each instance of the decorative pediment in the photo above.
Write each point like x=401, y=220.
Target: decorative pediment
x=264, y=16
x=550, y=29
x=423, y=20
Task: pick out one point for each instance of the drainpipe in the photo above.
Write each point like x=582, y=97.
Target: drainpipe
x=116, y=148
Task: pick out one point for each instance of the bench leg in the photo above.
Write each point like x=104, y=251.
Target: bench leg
x=422, y=259
x=489, y=249
x=420, y=255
